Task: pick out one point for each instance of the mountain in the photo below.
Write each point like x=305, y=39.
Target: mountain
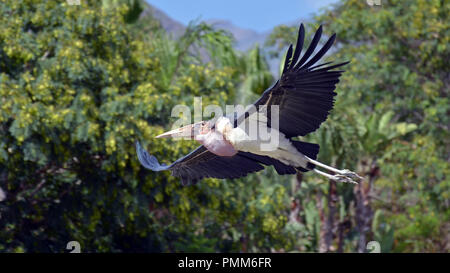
x=245, y=38
x=170, y=25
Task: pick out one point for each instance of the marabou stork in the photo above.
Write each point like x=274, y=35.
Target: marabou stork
x=304, y=95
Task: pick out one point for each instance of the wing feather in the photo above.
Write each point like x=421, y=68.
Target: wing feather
x=201, y=163
x=305, y=91
x=299, y=45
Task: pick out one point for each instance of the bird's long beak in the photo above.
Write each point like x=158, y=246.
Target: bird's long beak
x=188, y=131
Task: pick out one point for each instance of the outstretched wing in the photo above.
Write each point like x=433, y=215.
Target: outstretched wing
x=201, y=163
x=304, y=93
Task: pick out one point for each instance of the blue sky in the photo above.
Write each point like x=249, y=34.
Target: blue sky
x=259, y=15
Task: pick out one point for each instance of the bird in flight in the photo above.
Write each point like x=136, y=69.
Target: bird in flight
x=298, y=103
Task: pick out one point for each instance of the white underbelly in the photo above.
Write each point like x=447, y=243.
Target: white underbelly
x=276, y=146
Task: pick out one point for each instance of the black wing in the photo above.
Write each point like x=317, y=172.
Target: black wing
x=201, y=163
x=304, y=93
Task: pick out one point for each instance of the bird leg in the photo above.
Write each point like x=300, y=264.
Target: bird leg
x=345, y=175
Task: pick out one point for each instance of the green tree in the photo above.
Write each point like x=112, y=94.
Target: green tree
x=398, y=54
x=390, y=120
x=78, y=86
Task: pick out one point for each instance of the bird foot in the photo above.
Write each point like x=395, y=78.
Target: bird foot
x=347, y=176
x=343, y=179
x=352, y=175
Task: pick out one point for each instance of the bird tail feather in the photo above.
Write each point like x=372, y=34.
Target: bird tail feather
x=148, y=161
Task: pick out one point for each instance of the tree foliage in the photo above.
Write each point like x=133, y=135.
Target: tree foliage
x=80, y=84
x=390, y=120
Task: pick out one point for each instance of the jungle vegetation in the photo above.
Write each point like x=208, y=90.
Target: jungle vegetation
x=80, y=84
